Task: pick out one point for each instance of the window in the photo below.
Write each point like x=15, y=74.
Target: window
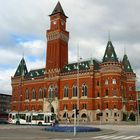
x=115, y=106
x=40, y=93
x=27, y=94
x=66, y=91
x=98, y=94
x=114, y=92
x=74, y=91
x=84, y=106
x=106, y=114
x=74, y=106
x=51, y=91
x=106, y=92
x=115, y=114
x=114, y=81
x=106, y=82
x=33, y=94
x=98, y=83
x=84, y=90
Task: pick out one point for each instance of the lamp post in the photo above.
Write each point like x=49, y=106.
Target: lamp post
x=78, y=95
x=137, y=107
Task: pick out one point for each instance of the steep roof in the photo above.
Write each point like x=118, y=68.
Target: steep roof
x=126, y=64
x=84, y=65
x=110, y=54
x=58, y=9
x=22, y=69
x=36, y=73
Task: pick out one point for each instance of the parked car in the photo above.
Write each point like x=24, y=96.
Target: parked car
x=3, y=121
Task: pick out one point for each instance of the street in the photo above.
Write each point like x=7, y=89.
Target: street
x=25, y=132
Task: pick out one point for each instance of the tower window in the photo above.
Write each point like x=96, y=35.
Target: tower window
x=98, y=94
x=106, y=92
x=98, y=83
x=114, y=92
x=114, y=81
x=106, y=82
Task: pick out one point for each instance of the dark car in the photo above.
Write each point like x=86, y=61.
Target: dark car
x=3, y=121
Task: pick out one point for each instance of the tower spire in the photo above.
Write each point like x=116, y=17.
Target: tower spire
x=58, y=9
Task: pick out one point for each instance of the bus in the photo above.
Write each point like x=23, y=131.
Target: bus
x=32, y=118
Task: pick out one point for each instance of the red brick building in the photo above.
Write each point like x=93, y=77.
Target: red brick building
x=92, y=86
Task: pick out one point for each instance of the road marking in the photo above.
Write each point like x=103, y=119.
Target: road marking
x=106, y=137
x=128, y=137
x=98, y=137
x=137, y=138
x=118, y=137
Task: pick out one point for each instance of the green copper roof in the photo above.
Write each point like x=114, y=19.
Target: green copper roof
x=110, y=54
x=58, y=9
x=126, y=64
x=84, y=65
x=22, y=69
x=36, y=73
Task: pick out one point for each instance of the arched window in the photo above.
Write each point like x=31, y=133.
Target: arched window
x=33, y=94
x=106, y=82
x=84, y=90
x=40, y=93
x=114, y=92
x=51, y=91
x=66, y=91
x=106, y=92
x=74, y=91
x=27, y=94
x=114, y=81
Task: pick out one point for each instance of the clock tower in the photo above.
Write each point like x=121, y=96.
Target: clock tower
x=57, y=40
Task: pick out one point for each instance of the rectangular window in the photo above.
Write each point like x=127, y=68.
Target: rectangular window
x=74, y=106
x=84, y=106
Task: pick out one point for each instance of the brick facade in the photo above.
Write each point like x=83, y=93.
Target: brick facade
x=107, y=86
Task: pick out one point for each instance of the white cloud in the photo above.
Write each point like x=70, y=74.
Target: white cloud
x=33, y=48
x=88, y=23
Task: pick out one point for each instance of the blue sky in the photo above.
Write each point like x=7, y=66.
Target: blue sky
x=24, y=23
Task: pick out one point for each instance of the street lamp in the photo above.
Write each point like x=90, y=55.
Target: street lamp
x=137, y=106
x=78, y=96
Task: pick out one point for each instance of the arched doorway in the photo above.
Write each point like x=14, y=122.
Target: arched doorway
x=84, y=117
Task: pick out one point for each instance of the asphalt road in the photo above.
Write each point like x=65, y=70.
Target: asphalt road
x=118, y=132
